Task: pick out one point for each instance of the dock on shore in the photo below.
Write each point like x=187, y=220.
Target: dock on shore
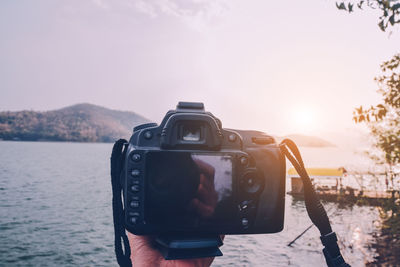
x=328, y=184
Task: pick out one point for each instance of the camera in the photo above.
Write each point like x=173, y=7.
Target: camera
x=190, y=175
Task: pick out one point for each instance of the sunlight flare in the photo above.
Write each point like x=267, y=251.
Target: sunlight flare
x=304, y=119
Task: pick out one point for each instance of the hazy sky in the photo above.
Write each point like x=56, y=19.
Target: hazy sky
x=277, y=66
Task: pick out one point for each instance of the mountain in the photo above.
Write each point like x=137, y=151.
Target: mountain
x=308, y=141
x=90, y=123
x=81, y=123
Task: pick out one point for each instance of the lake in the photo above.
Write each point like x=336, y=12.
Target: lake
x=55, y=210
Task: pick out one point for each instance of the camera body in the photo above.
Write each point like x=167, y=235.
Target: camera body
x=191, y=176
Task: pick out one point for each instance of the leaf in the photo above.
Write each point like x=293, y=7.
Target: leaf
x=342, y=6
x=350, y=7
x=395, y=6
x=381, y=113
x=391, y=19
x=380, y=106
x=381, y=25
x=359, y=5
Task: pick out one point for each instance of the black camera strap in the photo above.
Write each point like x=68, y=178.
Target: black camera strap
x=315, y=210
x=121, y=242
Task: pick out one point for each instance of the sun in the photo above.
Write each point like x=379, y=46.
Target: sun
x=304, y=119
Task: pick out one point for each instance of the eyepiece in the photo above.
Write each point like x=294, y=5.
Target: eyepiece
x=191, y=133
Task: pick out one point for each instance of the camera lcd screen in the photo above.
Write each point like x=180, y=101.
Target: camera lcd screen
x=189, y=189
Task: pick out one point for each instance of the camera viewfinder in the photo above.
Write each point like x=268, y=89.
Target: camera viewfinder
x=191, y=133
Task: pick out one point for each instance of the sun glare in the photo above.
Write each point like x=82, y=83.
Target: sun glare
x=304, y=119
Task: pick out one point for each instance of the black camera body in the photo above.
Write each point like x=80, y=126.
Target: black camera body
x=191, y=176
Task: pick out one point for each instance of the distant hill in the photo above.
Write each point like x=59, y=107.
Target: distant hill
x=90, y=123
x=81, y=123
x=308, y=141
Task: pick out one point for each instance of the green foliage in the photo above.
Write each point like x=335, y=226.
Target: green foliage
x=384, y=119
x=390, y=10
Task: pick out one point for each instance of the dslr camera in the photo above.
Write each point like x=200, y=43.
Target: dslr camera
x=189, y=175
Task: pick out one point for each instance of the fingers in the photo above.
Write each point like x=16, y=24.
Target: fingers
x=205, y=168
x=139, y=242
x=142, y=252
x=206, y=191
x=144, y=255
x=205, y=184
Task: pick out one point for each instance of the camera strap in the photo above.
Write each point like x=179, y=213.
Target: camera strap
x=315, y=210
x=121, y=242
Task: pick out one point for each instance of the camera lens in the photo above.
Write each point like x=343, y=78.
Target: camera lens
x=252, y=182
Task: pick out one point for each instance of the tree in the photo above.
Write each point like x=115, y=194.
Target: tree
x=390, y=10
x=383, y=119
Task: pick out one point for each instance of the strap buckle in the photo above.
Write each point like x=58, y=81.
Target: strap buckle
x=329, y=239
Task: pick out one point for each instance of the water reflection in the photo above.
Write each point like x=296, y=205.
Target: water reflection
x=356, y=237
x=354, y=226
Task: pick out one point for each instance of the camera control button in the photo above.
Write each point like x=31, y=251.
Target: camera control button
x=252, y=182
x=263, y=140
x=135, y=188
x=244, y=160
x=134, y=214
x=136, y=157
x=135, y=172
x=148, y=135
x=232, y=137
x=243, y=206
x=134, y=204
x=134, y=220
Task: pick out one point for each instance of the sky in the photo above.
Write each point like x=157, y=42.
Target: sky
x=276, y=66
